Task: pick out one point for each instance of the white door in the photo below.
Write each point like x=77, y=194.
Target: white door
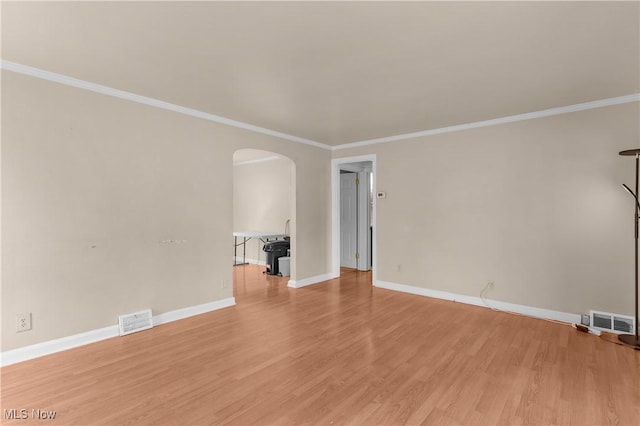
x=348, y=220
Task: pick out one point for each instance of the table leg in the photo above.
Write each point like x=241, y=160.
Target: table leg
x=244, y=250
x=235, y=249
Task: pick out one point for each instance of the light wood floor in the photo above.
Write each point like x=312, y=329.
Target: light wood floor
x=339, y=352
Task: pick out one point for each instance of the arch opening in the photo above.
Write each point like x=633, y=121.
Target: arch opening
x=263, y=212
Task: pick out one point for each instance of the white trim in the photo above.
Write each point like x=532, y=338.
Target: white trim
x=86, y=85
x=472, y=300
x=502, y=120
x=191, y=311
x=52, y=346
x=250, y=261
x=311, y=280
x=336, y=164
x=259, y=160
x=364, y=242
x=69, y=342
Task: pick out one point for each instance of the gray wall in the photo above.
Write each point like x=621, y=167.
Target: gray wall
x=263, y=200
x=535, y=205
x=92, y=186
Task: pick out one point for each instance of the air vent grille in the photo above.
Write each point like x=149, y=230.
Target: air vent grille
x=624, y=325
x=137, y=321
x=614, y=323
x=602, y=321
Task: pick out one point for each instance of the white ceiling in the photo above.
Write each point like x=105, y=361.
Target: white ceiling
x=339, y=72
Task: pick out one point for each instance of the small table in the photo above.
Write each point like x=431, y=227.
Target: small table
x=246, y=236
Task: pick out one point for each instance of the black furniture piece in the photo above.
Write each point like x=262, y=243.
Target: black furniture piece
x=246, y=236
x=275, y=250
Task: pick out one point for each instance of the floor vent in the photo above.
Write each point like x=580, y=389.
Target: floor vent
x=613, y=323
x=137, y=321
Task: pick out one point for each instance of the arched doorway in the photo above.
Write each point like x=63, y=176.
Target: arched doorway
x=263, y=211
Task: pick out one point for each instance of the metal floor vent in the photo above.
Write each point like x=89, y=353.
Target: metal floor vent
x=137, y=321
x=612, y=322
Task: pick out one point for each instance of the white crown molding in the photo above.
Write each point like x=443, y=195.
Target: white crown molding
x=81, y=84
x=259, y=160
x=530, y=311
x=69, y=342
x=494, y=122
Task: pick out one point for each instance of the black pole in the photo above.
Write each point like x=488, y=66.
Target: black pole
x=636, y=256
x=634, y=339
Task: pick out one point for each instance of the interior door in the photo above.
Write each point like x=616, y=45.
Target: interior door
x=348, y=220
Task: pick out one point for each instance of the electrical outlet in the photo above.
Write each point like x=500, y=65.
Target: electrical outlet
x=23, y=322
x=491, y=285
x=585, y=319
x=399, y=267
x=223, y=283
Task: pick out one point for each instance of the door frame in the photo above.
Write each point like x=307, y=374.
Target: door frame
x=364, y=197
x=351, y=178
x=335, y=211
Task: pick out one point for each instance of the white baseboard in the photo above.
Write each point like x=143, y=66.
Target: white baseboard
x=179, y=314
x=251, y=261
x=57, y=345
x=472, y=300
x=309, y=281
x=69, y=342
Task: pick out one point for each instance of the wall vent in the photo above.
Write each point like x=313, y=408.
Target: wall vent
x=614, y=323
x=137, y=321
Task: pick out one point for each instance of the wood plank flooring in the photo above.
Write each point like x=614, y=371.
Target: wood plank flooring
x=340, y=352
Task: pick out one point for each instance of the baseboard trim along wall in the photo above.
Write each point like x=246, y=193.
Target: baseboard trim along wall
x=81, y=339
x=310, y=281
x=191, y=311
x=58, y=345
x=477, y=301
x=239, y=261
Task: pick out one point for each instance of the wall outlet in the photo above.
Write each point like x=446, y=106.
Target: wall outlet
x=585, y=319
x=491, y=285
x=23, y=322
x=223, y=283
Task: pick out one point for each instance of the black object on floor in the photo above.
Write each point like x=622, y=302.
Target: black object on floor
x=275, y=250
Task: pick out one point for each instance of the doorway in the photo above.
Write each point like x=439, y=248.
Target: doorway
x=353, y=214
x=349, y=254
x=263, y=211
